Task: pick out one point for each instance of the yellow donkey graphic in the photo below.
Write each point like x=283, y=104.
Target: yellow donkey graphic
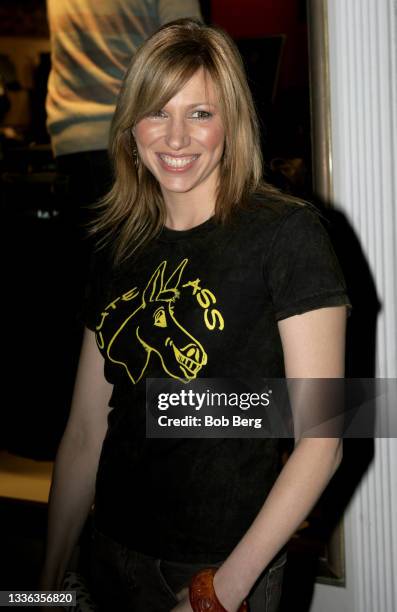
x=153, y=328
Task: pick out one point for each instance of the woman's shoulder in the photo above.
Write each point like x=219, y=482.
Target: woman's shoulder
x=273, y=209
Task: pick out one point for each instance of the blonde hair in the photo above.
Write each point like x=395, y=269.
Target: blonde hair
x=133, y=211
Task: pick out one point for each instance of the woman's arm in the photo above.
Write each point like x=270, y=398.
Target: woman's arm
x=313, y=345
x=73, y=482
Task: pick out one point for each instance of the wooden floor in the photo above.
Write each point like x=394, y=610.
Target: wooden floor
x=24, y=479
x=24, y=488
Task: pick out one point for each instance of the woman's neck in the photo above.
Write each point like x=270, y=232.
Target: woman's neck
x=185, y=210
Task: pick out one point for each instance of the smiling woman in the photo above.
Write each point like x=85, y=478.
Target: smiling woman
x=182, y=146
x=201, y=271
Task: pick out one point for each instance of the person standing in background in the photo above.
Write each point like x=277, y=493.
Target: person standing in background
x=92, y=43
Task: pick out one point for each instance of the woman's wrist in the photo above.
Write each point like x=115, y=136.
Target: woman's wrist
x=229, y=592
x=203, y=594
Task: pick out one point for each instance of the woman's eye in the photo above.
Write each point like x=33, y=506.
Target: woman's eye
x=200, y=114
x=159, y=114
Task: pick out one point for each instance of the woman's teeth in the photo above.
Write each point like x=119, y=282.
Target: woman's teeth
x=177, y=162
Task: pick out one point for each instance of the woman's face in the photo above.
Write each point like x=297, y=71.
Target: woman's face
x=182, y=143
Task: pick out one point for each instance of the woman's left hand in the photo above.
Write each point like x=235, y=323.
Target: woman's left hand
x=184, y=603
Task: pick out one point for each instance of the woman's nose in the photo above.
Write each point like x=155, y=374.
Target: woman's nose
x=177, y=134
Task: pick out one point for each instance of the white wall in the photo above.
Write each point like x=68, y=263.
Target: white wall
x=363, y=75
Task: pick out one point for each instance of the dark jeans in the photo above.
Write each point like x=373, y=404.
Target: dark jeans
x=128, y=581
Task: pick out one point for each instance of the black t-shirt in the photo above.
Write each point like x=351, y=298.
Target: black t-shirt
x=200, y=303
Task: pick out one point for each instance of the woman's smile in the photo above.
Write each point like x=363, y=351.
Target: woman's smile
x=177, y=163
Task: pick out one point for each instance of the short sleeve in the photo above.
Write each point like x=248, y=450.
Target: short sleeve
x=302, y=270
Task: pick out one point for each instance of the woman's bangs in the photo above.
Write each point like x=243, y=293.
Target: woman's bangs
x=163, y=82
